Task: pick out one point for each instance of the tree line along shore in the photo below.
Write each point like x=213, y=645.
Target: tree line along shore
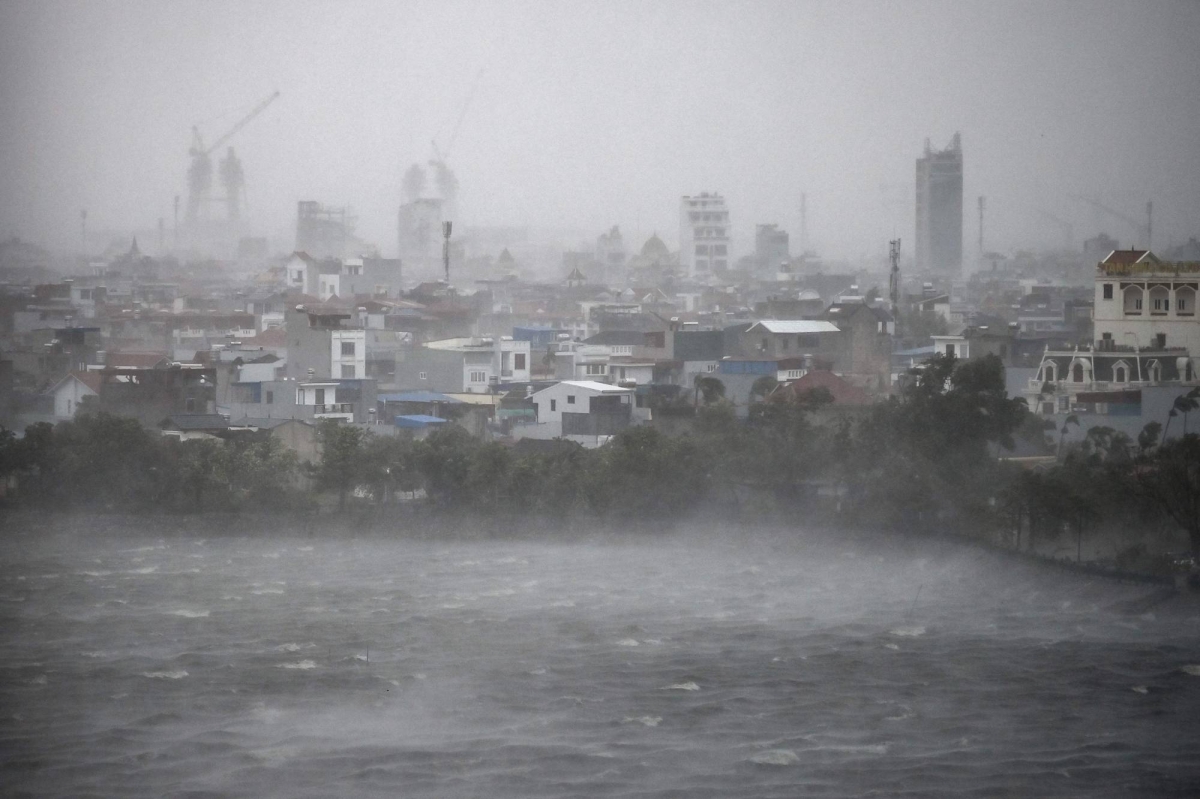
x=929, y=460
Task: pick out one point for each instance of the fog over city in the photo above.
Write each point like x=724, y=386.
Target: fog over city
x=589, y=114
x=721, y=400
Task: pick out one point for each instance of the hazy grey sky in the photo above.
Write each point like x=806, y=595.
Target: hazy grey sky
x=593, y=114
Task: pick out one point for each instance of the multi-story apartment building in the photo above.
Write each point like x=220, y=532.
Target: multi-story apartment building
x=321, y=345
x=939, y=209
x=1146, y=347
x=463, y=365
x=704, y=236
x=1142, y=301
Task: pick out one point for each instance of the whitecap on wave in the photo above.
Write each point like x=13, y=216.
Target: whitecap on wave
x=645, y=721
x=165, y=675
x=189, y=614
x=1191, y=669
x=776, y=757
x=627, y=642
x=683, y=686
x=303, y=664
x=908, y=632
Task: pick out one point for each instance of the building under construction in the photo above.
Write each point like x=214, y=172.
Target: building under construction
x=325, y=231
x=940, y=209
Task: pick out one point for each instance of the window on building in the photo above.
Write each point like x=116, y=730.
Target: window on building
x=710, y=367
x=270, y=397
x=1181, y=304
x=1137, y=304
x=701, y=249
x=478, y=377
x=348, y=371
x=1108, y=291
x=596, y=368
x=950, y=350
x=519, y=361
x=1120, y=374
x=422, y=375
x=348, y=348
x=570, y=399
x=553, y=405
x=319, y=396
x=1161, y=341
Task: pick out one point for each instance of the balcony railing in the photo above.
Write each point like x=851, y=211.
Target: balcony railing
x=333, y=408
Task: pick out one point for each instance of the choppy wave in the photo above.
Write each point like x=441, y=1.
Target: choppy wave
x=774, y=668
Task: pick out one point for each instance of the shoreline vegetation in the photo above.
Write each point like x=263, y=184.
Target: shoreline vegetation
x=928, y=462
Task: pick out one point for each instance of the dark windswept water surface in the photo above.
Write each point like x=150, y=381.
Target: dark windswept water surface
x=749, y=666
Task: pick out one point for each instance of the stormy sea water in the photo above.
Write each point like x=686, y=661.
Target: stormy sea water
x=750, y=664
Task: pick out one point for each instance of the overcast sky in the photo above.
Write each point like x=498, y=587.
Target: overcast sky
x=594, y=114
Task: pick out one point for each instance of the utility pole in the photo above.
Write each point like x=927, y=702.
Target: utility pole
x=1149, y=224
x=446, y=226
x=894, y=282
x=803, y=224
x=981, y=205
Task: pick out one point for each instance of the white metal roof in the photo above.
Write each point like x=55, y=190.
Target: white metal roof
x=591, y=385
x=788, y=326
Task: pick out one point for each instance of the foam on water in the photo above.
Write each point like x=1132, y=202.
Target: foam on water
x=771, y=667
x=776, y=757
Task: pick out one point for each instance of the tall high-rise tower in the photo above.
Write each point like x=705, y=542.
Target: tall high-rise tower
x=703, y=235
x=940, y=209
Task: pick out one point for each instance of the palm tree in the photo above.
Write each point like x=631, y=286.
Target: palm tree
x=1062, y=434
x=763, y=386
x=1185, y=404
x=711, y=388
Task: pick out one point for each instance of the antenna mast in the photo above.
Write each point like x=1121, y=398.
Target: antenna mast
x=894, y=282
x=982, y=202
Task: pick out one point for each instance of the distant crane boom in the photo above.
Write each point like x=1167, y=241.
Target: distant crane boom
x=1068, y=230
x=1143, y=229
x=241, y=123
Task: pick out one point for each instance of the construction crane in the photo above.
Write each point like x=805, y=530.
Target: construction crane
x=200, y=171
x=446, y=180
x=1142, y=230
x=1068, y=230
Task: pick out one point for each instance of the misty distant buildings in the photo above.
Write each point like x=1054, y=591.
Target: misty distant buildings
x=771, y=246
x=703, y=235
x=610, y=255
x=420, y=231
x=940, y=209
x=324, y=231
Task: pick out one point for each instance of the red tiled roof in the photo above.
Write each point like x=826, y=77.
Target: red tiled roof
x=1124, y=257
x=843, y=393
x=134, y=360
x=90, y=379
x=271, y=337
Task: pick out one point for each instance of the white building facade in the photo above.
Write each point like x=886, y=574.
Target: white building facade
x=704, y=236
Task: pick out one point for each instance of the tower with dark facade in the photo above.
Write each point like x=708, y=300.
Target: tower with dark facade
x=940, y=209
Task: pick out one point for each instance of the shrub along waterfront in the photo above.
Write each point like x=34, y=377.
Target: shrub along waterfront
x=923, y=461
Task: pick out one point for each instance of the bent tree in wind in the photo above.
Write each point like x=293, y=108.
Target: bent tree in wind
x=1170, y=476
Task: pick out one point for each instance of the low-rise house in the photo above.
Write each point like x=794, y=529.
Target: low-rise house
x=193, y=426
x=790, y=338
x=464, y=365
x=70, y=393
x=581, y=410
x=298, y=435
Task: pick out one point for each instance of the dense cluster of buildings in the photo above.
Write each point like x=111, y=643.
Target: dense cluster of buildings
x=625, y=333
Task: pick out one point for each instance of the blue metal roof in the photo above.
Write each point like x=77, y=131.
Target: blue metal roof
x=418, y=420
